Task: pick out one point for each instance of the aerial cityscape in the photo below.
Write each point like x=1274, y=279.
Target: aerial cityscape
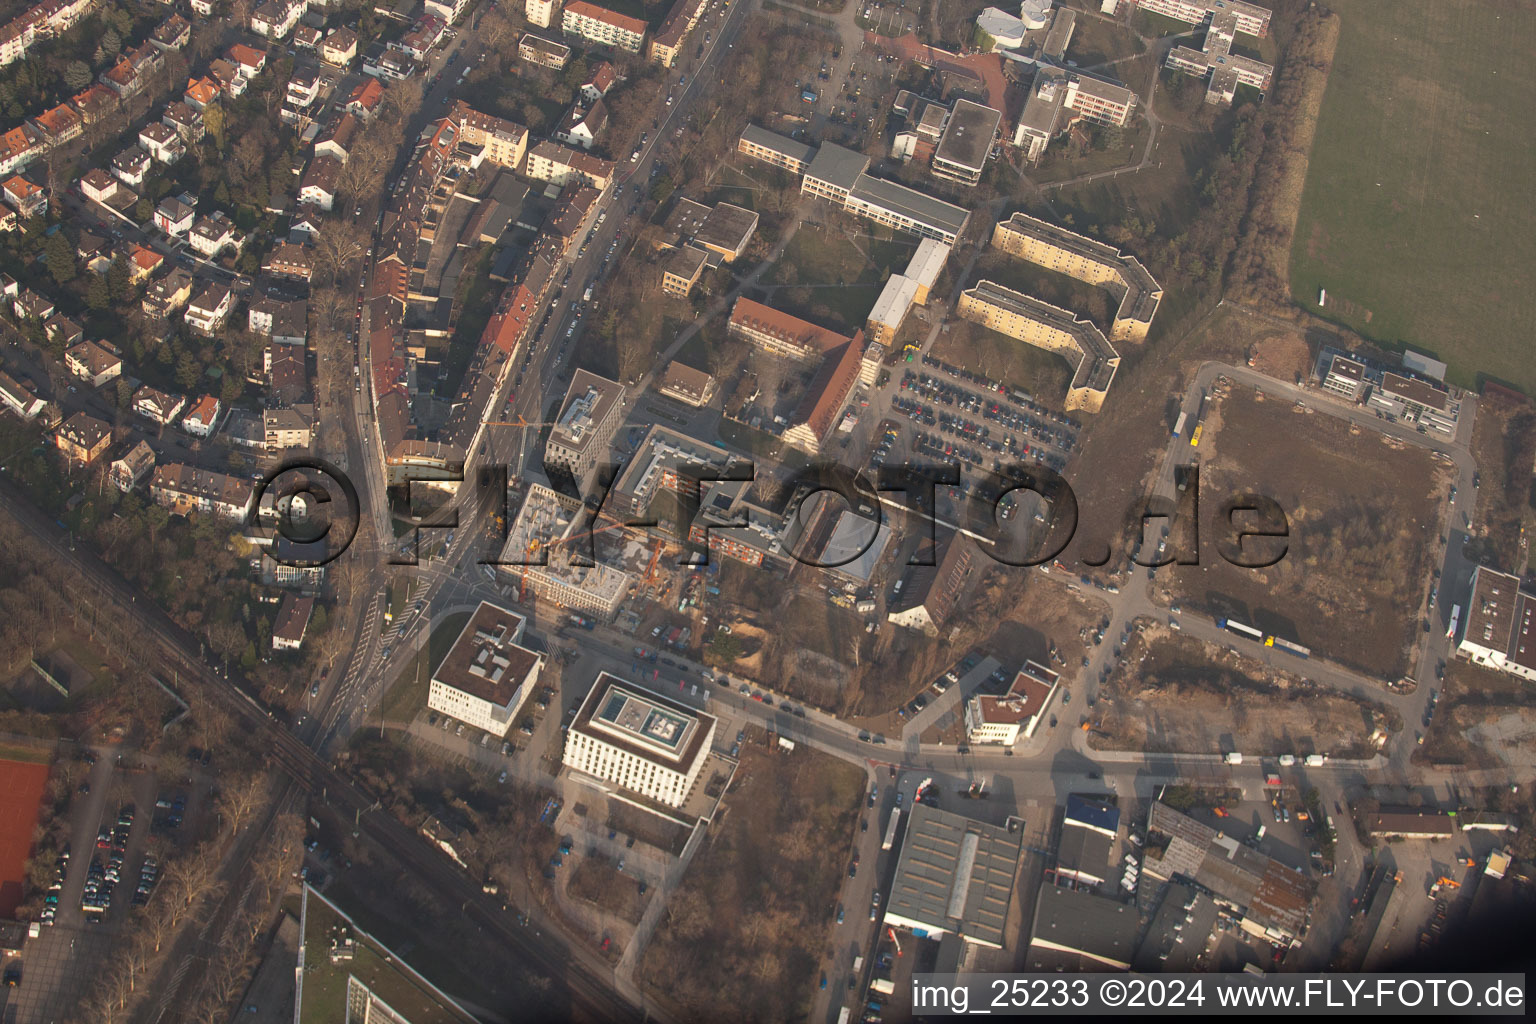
x=785, y=510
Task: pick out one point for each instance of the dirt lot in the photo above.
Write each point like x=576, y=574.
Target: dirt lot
x=1365, y=519
x=599, y=883
x=1504, y=444
x=1176, y=694
x=749, y=925
x=1482, y=720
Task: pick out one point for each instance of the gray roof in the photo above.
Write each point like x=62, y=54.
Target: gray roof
x=837, y=165
x=969, y=135
x=1178, y=932
x=1075, y=930
x=797, y=151
x=955, y=875
x=911, y=203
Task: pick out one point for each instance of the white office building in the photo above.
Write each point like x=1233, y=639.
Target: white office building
x=639, y=741
x=487, y=675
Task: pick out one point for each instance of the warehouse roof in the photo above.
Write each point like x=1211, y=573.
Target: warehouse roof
x=955, y=876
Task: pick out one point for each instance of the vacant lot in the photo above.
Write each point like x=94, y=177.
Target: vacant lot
x=1175, y=694
x=1482, y=721
x=748, y=927
x=600, y=883
x=1417, y=216
x=1365, y=524
x=1504, y=445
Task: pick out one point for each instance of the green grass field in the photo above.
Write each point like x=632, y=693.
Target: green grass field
x=1417, y=215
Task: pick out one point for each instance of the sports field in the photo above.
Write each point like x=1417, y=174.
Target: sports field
x=1418, y=215
x=21, y=791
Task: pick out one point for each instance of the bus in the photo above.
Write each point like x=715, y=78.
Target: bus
x=1450, y=631
x=890, y=830
x=1194, y=436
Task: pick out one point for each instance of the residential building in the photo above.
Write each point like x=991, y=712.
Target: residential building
x=503, y=142
x=638, y=740
x=184, y=489
x=95, y=103
x=285, y=321
x=276, y=18
x=543, y=52
x=1052, y=328
x=307, y=37
x=954, y=876
x=339, y=49
x=591, y=413
x=337, y=140
x=599, y=81
x=681, y=269
x=157, y=405
x=203, y=418
x=1500, y=624
x=561, y=166
x=289, y=426
x=487, y=675
x=778, y=150
x=27, y=199
x=213, y=234
x=288, y=260
x=248, y=59
x=667, y=44
x=207, y=312
x=318, y=187
x=1075, y=930
x=186, y=121
x=63, y=331
x=168, y=294
x=1007, y=718
x=969, y=135
x=174, y=217
x=58, y=125
x=1251, y=19
x=29, y=305
x=448, y=10
x=582, y=125
x=365, y=98
x=172, y=34
x=931, y=594
x=20, y=397
x=92, y=363
x=131, y=165
x=292, y=622
x=19, y=147
x=82, y=438
x=600, y=25
x=542, y=12
x=127, y=472
x=687, y=385
x=162, y=143
x=1089, y=261
x=201, y=93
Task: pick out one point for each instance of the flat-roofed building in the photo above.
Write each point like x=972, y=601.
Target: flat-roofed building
x=781, y=334
x=1410, y=823
x=773, y=148
x=1419, y=401
x=546, y=53
x=1270, y=900
x=1058, y=99
x=1088, y=832
x=667, y=459
x=1075, y=930
x=1251, y=19
x=1216, y=62
x=1500, y=630
x=553, y=552
x=891, y=308
x=731, y=524
x=726, y=230
x=681, y=269
x=486, y=677
x=687, y=385
x=926, y=265
x=955, y=876
x=906, y=209
x=833, y=172
x=600, y=25
x=1006, y=718
x=1345, y=377
x=639, y=740
x=1090, y=261
x=968, y=138
x=542, y=12
x=1052, y=328
x=592, y=411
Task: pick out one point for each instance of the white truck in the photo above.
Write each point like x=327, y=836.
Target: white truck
x=1316, y=760
x=1234, y=758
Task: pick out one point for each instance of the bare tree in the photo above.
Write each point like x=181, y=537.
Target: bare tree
x=238, y=801
x=340, y=244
